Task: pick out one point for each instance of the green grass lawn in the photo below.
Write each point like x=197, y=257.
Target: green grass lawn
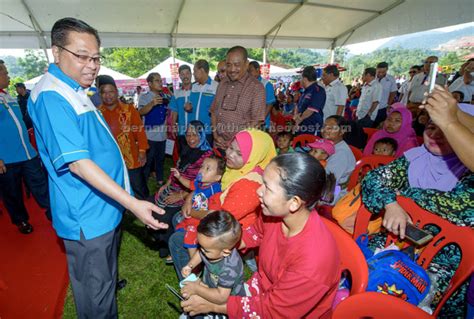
x=145, y=295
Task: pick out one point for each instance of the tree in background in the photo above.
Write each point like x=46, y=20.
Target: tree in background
x=13, y=80
x=399, y=61
x=14, y=69
x=134, y=61
x=33, y=64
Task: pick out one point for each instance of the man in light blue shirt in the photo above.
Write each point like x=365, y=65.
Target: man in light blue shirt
x=180, y=104
x=254, y=69
x=89, y=185
x=18, y=161
x=196, y=106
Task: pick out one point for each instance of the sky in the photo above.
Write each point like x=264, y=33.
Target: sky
x=359, y=48
x=369, y=46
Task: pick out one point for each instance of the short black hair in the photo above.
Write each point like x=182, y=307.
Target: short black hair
x=371, y=71
x=240, y=49
x=416, y=67
x=222, y=225
x=202, y=64
x=340, y=120
x=220, y=163
x=20, y=85
x=2, y=62
x=301, y=175
x=343, y=124
x=151, y=76
x=105, y=79
x=382, y=65
x=255, y=65
x=285, y=133
x=184, y=67
x=309, y=72
x=62, y=27
x=461, y=94
x=388, y=140
x=332, y=69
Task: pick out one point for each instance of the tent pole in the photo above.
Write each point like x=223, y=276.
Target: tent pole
x=39, y=31
x=265, y=53
x=332, y=53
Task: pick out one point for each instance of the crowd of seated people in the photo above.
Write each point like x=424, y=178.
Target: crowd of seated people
x=240, y=191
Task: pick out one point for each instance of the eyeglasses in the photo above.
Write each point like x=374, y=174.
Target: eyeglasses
x=412, y=72
x=84, y=59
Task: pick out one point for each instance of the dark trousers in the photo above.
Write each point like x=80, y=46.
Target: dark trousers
x=92, y=268
x=138, y=182
x=35, y=178
x=381, y=116
x=365, y=122
x=155, y=155
x=162, y=236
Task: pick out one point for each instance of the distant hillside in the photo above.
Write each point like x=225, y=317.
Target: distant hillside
x=427, y=40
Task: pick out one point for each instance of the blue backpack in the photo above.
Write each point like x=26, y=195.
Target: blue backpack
x=393, y=272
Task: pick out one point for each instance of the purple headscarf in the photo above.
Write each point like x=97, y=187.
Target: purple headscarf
x=429, y=171
x=405, y=136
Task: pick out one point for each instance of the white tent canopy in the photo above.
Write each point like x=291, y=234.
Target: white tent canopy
x=117, y=76
x=224, y=23
x=114, y=74
x=164, y=69
x=276, y=71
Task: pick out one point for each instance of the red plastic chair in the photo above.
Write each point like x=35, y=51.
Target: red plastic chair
x=303, y=139
x=351, y=257
x=449, y=233
x=369, y=131
x=357, y=152
x=375, y=305
x=365, y=165
x=32, y=138
x=420, y=140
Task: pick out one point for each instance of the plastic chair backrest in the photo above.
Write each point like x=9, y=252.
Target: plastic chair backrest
x=366, y=164
x=369, y=131
x=376, y=305
x=357, y=152
x=32, y=138
x=303, y=139
x=420, y=140
x=175, y=152
x=449, y=233
x=351, y=257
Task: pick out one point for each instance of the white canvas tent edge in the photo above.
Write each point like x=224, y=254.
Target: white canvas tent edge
x=252, y=23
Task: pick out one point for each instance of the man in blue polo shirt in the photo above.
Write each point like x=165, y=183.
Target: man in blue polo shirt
x=309, y=119
x=87, y=173
x=180, y=104
x=18, y=161
x=254, y=70
x=196, y=108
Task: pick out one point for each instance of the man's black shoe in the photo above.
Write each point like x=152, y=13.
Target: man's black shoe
x=25, y=227
x=121, y=284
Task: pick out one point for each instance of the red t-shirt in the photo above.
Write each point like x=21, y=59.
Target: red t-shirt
x=241, y=201
x=297, y=277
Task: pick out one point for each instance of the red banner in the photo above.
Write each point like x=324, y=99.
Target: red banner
x=265, y=71
x=175, y=75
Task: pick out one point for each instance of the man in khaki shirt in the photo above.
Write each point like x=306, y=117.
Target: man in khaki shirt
x=239, y=101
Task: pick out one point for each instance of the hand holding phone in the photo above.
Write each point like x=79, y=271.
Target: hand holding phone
x=174, y=292
x=432, y=76
x=418, y=236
